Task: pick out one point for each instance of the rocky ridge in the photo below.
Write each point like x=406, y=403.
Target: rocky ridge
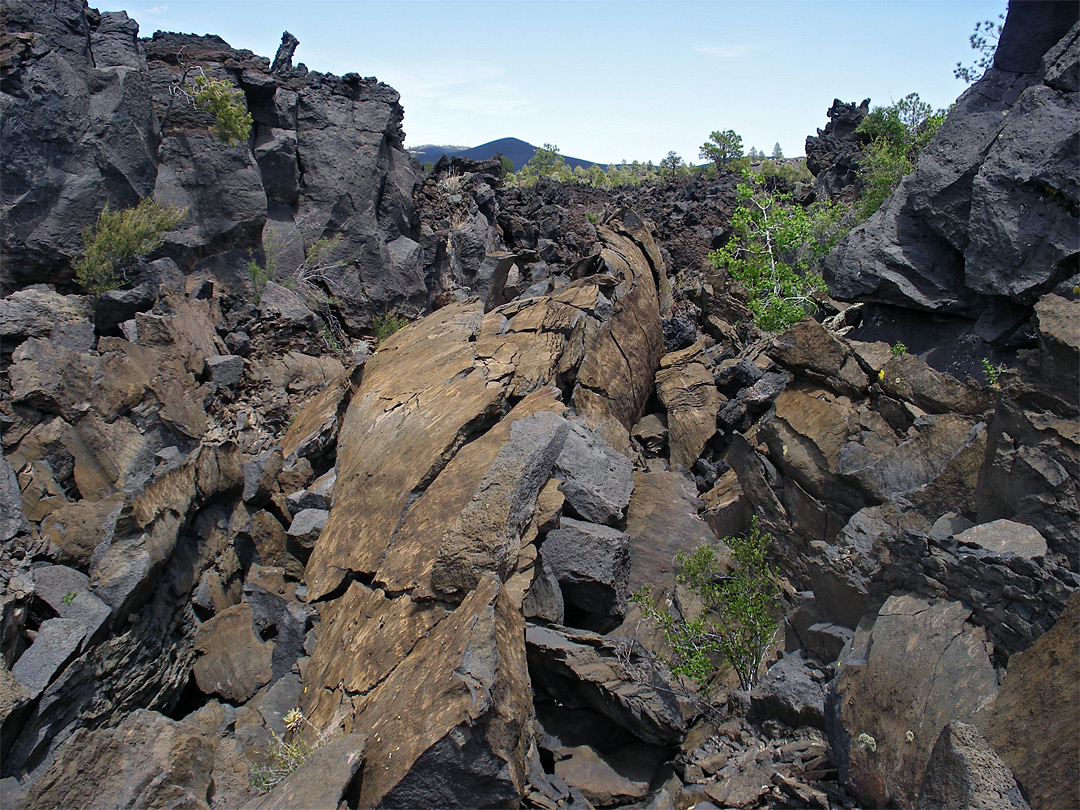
x=208, y=523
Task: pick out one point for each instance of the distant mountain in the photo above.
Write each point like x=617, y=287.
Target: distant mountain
x=517, y=151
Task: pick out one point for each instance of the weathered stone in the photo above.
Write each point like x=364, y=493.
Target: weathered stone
x=1005, y=537
x=661, y=521
x=962, y=229
x=597, y=480
x=591, y=563
x=964, y=773
x=57, y=643
x=409, y=561
x=486, y=536
x=37, y=310
x=234, y=662
x=326, y=779
x=1032, y=723
x=743, y=782
x=912, y=380
x=651, y=433
x=582, y=669
x=268, y=537
x=918, y=667
x=12, y=520
x=147, y=761
x=304, y=531
x=808, y=348
x=685, y=385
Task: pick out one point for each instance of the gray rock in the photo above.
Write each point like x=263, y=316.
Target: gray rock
x=260, y=477
x=487, y=534
x=964, y=773
x=234, y=663
x=281, y=305
x=225, y=370
x=114, y=307
x=318, y=496
x=1005, y=537
x=67, y=592
x=56, y=644
x=12, y=520
x=305, y=528
x=975, y=219
x=597, y=479
x=97, y=106
x=544, y=600
x=905, y=676
x=592, y=564
x=37, y=310
x=789, y=692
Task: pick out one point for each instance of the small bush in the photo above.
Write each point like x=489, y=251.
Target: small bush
x=899, y=350
x=385, y=325
x=992, y=373
x=232, y=121
x=118, y=239
x=740, y=610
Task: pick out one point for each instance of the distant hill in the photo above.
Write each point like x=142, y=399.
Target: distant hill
x=517, y=151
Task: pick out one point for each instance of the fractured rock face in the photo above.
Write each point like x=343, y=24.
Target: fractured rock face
x=234, y=661
x=592, y=564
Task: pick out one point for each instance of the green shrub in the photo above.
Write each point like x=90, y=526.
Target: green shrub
x=119, y=238
x=899, y=350
x=740, y=614
x=898, y=133
x=992, y=373
x=773, y=250
x=386, y=325
x=232, y=121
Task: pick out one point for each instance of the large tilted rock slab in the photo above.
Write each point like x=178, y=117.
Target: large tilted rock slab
x=326, y=779
x=148, y=761
x=964, y=773
x=449, y=727
x=418, y=414
x=1033, y=722
x=901, y=680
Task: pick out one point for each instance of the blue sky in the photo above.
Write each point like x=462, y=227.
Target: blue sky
x=608, y=80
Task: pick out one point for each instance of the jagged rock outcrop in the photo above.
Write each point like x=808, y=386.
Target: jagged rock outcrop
x=987, y=222
x=110, y=94
x=833, y=155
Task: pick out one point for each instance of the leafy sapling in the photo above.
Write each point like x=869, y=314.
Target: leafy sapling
x=740, y=615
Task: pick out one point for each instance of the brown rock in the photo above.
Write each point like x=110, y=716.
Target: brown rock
x=597, y=780
x=75, y=529
x=486, y=536
x=661, y=521
x=409, y=560
x=1033, y=723
x=808, y=348
x=919, y=666
x=234, y=663
x=964, y=773
x=326, y=779
x=268, y=536
x=450, y=726
x=362, y=637
x=316, y=426
x=148, y=761
x=912, y=380
x=686, y=387
x=417, y=404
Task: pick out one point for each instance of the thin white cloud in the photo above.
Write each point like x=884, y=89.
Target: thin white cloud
x=724, y=51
